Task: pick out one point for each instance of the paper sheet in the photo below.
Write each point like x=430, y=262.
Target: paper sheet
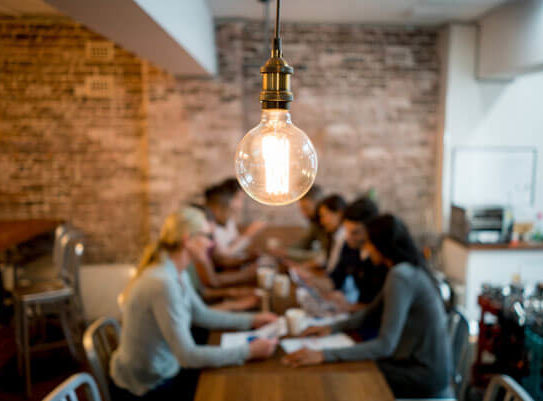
x=275, y=330
x=325, y=321
x=339, y=340
x=272, y=330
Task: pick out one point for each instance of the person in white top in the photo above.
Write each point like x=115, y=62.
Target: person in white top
x=330, y=211
x=225, y=201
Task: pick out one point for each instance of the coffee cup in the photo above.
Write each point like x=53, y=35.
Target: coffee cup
x=295, y=321
x=281, y=286
x=264, y=277
x=273, y=243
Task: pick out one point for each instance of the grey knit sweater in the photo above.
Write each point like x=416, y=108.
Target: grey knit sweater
x=156, y=340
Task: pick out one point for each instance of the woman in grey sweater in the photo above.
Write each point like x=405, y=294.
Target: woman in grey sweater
x=156, y=349
x=412, y=348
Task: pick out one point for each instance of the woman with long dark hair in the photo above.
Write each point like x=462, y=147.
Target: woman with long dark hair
x=412, y=348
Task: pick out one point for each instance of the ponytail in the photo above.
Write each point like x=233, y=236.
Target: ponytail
x=176, y=226
x=151, y=256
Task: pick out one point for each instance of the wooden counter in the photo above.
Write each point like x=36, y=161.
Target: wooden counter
x=520, y=246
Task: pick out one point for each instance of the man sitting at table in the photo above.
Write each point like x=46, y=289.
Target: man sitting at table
x=355, y=275
x=156, y=349
x=412, y=348
x=354, y=281
x=231, y=247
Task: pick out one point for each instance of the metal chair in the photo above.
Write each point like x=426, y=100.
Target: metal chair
x=459, y=335
x=57, y=297
x=504, y=388
x=99, y=341
x=66, y=391
x=23, y=279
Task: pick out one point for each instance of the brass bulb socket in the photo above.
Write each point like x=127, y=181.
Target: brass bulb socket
x=276, y=93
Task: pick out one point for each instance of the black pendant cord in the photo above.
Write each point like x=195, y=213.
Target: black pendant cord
x=277, y=50
x=276, y=93
x=277, y=14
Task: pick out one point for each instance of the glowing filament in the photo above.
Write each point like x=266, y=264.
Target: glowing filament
x=276, y=154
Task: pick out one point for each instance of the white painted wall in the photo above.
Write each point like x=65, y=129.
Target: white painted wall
x=511, y=40
x=484, y=113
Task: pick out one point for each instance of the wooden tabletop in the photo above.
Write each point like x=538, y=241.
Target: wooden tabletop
x=269, y=380
x=15, y=232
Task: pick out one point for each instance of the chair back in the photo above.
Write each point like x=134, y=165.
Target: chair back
x=459, y=336
x=100, y=340
x=58, y=246
x=66, y=391
x=504, y=388
x=72, y=262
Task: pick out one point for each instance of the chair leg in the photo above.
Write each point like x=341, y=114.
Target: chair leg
x=64, y=321
x=26, y=350
x=18, y=336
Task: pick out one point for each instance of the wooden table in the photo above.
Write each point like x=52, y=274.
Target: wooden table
x=269, y=380
x=15, y=232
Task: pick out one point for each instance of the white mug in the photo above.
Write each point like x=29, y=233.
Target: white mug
x=295, y=321
x=273, y=243
x=281, y=286
x=264, y=277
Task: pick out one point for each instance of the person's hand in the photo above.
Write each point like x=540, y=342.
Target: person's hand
x=316, y=331
x=263, y=318
x=254, y=228
x=248, y=272
x=243, y=303
x=251, y=256
x=239, y=292
x=303, y=357
x=304, y=274
x=262, y=348
x=339, y=300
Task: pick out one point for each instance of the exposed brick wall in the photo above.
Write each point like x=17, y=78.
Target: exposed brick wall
x=366, y=96
x=63, y=155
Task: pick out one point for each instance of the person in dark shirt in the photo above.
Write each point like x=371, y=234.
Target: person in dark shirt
x=412, y=348
x=351, y=269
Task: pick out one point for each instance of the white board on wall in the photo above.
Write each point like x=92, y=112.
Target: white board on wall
x=494, y=176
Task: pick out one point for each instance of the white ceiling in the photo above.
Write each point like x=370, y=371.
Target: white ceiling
x=339, y=11
x=360, y=11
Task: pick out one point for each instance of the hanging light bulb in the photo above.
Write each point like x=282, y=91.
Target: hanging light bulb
x=276, y=162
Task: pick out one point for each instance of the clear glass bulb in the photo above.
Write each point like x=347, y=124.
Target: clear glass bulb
x=276, y=163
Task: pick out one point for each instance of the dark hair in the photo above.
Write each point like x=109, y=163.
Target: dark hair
x=218, y=195
x=392, y=239
x=314, y=193
x=231, y=185
x=361, y=210
x=334, y=203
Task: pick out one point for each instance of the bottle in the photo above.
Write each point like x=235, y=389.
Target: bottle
x=538, y=228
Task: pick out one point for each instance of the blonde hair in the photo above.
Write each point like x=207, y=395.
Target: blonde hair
x=178, y=225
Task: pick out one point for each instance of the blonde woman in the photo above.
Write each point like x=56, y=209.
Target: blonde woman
x=156, y=351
